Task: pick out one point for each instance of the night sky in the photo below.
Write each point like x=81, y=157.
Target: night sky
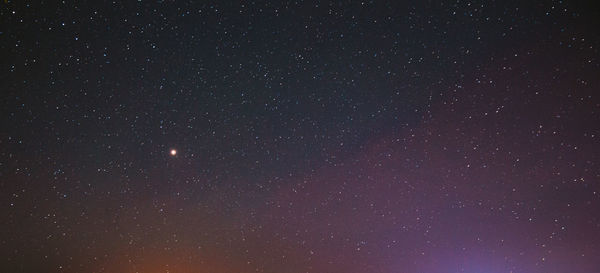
x=293, y=137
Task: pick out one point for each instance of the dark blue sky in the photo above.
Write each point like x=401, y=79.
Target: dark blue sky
x=419, y=136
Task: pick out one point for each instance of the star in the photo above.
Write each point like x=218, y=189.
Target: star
x=173, y=152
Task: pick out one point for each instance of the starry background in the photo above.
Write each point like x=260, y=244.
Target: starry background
x=395, y=136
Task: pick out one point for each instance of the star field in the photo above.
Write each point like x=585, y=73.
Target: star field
x=349, y=136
